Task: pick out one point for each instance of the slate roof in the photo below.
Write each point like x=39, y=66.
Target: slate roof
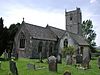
x=58, y=32
x=79, y=39
x=39, y=32
x=51, y=33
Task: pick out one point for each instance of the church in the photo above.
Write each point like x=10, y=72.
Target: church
x=32, y=39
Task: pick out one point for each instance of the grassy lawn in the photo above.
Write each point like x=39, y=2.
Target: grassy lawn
x=22, y=68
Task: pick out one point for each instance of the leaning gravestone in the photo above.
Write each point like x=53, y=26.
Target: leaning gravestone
x=52, y=63
x=99, y=62
x=13, y=68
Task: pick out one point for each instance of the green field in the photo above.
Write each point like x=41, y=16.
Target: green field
x=22, y=68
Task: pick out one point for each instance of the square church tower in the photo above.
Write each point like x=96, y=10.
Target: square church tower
x=73, y=20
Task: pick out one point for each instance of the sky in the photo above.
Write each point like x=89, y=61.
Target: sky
x=52, y=12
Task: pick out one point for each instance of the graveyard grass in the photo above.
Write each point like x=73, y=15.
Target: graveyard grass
x=22, y=68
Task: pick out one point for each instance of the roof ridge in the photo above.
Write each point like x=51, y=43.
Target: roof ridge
x=35, y=25
x=57, y=28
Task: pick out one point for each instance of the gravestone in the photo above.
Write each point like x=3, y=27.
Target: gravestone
x=86, y=61
x=13, y=67
x=79, y=59
x=0, y=65
x=68, y=59
x=73, y=59
x=67, y=73
x=5, y=55
x=99, y=62
x=59, y=58
x=9, y=55
x=31, y=66
x=52, y=63
x=16, y=55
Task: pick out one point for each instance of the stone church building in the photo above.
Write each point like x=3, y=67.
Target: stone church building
x=31, y=39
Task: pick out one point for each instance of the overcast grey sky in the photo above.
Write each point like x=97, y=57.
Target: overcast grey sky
x=43, y=12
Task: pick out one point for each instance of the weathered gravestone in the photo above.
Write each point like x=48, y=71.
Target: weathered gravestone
x=5, y=55
x=73, y=59
x=31, y=66
x=52, y=63
x=86, y=61
x=79, y=59
x=68, y=59
x=16, y=55
x=9, y=55
x=99, y=62
x=67, y=73
x=13, y=67
x=59, y=58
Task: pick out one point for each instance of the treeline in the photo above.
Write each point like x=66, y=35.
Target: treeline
x=7, y=36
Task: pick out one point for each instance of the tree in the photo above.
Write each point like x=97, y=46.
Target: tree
x=89, y=33
x=68, y=52
x=7, y=36
x=4, y=36
x=12, y=32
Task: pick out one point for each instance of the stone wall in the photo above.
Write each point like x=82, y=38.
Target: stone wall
x=45, y=48
x=73, y=21
x=32, y=44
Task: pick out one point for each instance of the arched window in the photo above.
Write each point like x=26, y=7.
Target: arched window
x=81, y=50
x=65, y=43
x=22, y=40
x=46, y=47
x=50, y=48
x=40, y=47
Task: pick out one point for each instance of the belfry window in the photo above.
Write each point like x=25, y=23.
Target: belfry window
x=65, y=43
x=22, y=41
x=71, y=17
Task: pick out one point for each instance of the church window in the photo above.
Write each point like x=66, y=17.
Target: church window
x=65, y=43
x=50, y=48
x=78, y=51
x=22, y=40
x=81, y=50
x=40, y=47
